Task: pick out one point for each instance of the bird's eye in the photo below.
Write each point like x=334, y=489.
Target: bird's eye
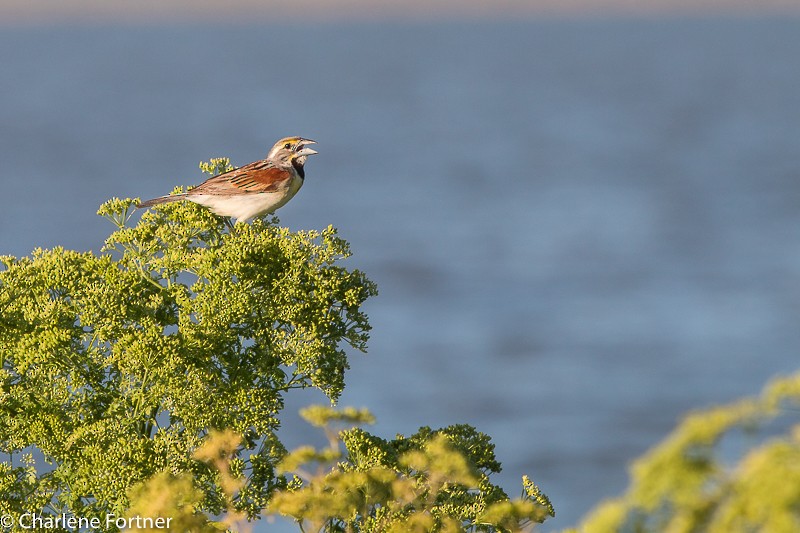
x=287, y=145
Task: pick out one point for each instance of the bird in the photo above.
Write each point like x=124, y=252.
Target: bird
x=255, y=189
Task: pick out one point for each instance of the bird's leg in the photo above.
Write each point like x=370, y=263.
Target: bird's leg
x=228, y=223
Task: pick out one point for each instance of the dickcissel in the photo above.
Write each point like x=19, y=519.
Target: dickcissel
x=255, y=189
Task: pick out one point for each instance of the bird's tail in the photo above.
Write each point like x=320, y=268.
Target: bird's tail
x=161, y=200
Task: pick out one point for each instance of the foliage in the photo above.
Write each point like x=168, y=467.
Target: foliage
x=431, y=481
x=175, y=497
x=148, y=380
x=116, y=365
x=694, y=481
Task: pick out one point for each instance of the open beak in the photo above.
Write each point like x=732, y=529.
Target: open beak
x=301, y=149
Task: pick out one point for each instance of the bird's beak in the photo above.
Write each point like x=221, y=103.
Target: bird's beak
x=301, y=149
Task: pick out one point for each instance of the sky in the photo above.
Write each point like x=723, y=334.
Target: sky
x=14, y=12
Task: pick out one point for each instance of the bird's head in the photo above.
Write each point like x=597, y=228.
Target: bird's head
x=291, y=150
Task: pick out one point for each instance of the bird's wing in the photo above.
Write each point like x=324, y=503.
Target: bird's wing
x=261, y=176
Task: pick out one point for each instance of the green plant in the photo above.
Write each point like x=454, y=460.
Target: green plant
x=116, y=365
x=432, y=481
x=150, y=378
x=717, y=473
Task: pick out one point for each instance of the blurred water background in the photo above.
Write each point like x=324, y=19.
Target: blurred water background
x=580, y=228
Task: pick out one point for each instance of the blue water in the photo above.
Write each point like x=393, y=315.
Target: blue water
x=580, y=228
